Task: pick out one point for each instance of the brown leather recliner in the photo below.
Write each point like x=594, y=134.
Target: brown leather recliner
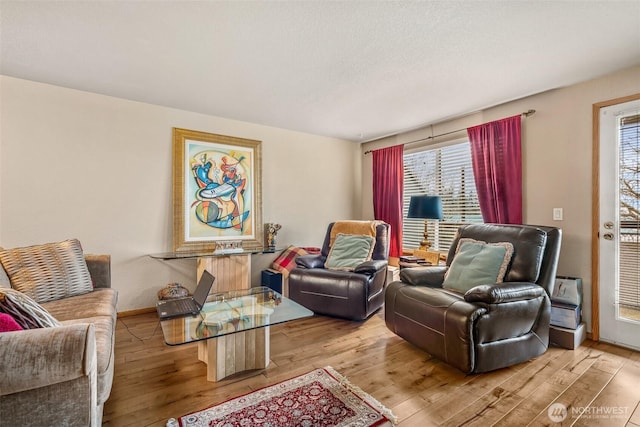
x=490, y=326
x=354, y=295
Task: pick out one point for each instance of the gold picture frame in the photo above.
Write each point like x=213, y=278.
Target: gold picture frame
x=217, y=191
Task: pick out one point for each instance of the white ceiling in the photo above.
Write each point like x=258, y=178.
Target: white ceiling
x=356, y=70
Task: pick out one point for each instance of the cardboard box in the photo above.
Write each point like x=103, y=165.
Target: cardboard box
x=567, y=338
x=393, y=274
x=565, y=315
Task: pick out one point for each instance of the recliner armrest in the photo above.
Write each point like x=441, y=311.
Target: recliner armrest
x=504, y=292
x=371, y=267
x=311, y=261
x=423, y=276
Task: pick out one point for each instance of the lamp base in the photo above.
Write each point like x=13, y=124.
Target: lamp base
x=425, y=243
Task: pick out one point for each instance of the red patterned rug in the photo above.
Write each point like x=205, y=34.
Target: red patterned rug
x=319, y=398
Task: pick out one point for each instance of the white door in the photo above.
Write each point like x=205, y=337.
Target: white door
x=619, y=228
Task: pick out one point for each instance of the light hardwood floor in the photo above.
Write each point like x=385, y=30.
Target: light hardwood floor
x=154, y=382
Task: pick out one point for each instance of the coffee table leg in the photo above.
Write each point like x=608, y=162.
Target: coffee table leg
x=230, y=354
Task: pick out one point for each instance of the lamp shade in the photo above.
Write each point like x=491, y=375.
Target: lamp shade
x=426, y=207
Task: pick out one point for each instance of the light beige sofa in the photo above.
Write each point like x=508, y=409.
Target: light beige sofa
x=62, y=376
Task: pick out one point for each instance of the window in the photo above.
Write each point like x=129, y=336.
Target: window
x=445, y=171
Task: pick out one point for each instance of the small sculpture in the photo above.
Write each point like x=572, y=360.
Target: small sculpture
x=271, y=231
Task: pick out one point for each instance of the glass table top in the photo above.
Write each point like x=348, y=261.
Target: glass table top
x=231, y=312
x=216, y=253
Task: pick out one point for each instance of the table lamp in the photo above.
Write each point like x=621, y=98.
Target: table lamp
x=425, y=207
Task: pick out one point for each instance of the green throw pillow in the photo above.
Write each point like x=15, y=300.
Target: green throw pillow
x=477, y=263
x=349, y=251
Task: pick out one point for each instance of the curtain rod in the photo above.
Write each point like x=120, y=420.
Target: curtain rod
x=525, y=114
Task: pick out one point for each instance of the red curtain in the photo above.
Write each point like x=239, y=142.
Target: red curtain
x=497, y=168
x=388, y=187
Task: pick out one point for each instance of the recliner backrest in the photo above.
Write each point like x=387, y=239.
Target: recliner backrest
x=380, y=250
x=535, y=254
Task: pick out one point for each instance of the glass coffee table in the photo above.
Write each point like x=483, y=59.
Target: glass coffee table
x=232, y=330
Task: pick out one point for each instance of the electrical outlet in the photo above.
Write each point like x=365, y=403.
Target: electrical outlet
x=557, y=214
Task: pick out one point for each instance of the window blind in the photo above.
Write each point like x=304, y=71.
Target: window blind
x=629, y=155
x=446, y=172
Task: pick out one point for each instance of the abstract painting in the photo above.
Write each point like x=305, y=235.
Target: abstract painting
x=217, y=191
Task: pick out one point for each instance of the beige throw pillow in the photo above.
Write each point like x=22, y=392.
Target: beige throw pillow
x=4, y=279
x=48, y=272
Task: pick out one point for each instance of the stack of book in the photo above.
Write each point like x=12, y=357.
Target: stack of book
x=410, y=259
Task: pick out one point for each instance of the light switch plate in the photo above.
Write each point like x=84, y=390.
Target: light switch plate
x=557, y=214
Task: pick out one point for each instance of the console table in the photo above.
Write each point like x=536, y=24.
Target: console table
x=232, y=268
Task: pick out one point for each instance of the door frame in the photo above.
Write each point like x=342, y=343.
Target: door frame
x=595, y=209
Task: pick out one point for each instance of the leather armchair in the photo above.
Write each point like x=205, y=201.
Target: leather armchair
x=352, y=295
x=493, y=325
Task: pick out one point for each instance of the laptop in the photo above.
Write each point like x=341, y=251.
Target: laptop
x=190, y=306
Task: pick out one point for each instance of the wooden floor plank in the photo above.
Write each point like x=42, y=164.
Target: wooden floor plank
x=153, y=381
x=584, y=390
x=493, y=406
x=539, y=400
x=616, y=403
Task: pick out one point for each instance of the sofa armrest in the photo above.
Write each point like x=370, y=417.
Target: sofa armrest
x=371, y=267
x=100, y=269
x=423, y=276
x=311, y=261
x=504, y=292
x=37, y=358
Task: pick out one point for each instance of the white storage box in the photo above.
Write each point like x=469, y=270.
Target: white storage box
x=393, y=274
x=565, y=315
x=567, y=338
x=568, y=290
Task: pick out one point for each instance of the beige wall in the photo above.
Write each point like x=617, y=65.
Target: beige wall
x=557, y=144
x=77, y=164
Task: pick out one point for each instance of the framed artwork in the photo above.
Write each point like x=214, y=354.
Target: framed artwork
x=217, y=191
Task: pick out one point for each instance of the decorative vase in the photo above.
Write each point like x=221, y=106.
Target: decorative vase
x=173, y=291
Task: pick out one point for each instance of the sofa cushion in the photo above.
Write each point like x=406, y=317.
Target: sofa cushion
x=24, y=310
x=49, y=271
x=477, y=263
x=101, y=302
x=349, y=251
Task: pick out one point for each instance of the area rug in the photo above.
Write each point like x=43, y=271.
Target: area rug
x=319, y=398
